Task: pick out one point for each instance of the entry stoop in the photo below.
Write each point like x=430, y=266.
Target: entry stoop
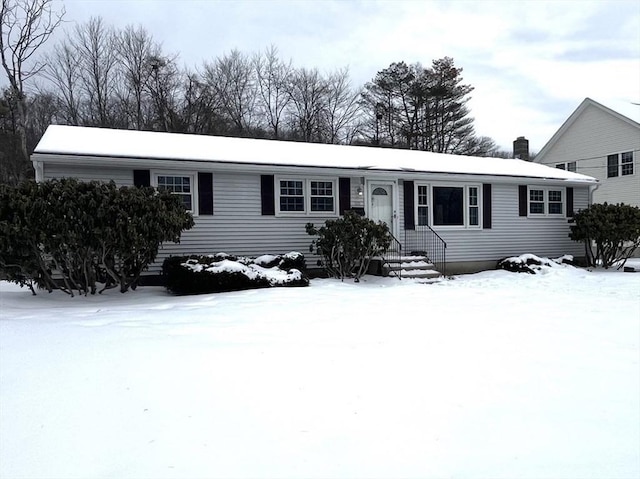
x=415, y=267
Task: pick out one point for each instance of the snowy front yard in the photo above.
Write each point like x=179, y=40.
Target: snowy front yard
x=493, y=375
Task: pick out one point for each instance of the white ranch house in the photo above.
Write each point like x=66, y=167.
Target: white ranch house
x=251, y=197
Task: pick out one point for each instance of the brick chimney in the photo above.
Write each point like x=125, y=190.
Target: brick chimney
x=521, y=148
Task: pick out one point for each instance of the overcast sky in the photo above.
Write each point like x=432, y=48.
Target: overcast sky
x=531, y=62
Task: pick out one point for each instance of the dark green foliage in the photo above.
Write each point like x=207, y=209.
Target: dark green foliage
x=72, y=235
x=346, y=245
x=198, y=274
x=613, y=230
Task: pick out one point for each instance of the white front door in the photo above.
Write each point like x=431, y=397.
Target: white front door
x=381, y=203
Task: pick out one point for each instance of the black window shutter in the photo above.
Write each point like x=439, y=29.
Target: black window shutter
x=522, y=200
x=486, y=206
x=344, y=195
x=569, y=202
x=205, y=193
x=267, y=195
x=409, y=206
x=142, y=178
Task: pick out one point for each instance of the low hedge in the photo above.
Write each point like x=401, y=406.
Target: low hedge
x=198, y=274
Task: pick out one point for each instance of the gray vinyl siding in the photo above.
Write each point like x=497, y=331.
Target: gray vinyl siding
x=510, y=234
x=237, y=226
x=593, y=136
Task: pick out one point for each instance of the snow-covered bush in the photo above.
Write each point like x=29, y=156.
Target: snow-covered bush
x=614, y=231
x=530, y=263
x=72, y=235
x=197, y=274
x=346, y=245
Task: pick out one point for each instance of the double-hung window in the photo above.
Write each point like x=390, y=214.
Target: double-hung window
x=620, y=164
x=546, y=201
x=306, y=196
x=321, y=195
x=180, y=185
x=473, y=205
x=423, y=205
x=569, y=166
x=626, y=163
x=291, y=195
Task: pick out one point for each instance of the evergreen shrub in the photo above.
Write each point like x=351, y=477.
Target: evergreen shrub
x=610, y=233
x=71, y=235
x=198, y=274
x=347, y=245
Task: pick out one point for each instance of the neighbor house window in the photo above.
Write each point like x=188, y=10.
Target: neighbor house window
x=546, y=201
x=180, y=185
x=612, y=166
x=620, y=164
x=626, y=163
x=307, y=196
x=423, y=205
x=570, y=166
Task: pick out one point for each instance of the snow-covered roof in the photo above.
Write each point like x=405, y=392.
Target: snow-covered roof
x=102, y=142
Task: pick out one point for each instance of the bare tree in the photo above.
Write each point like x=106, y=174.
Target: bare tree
x=273, y=98
x=164, y=86
x=95, y=49
x=307, y=90
x=25, y=25
x=137, y=52
x=341, y=109
x=63, y=72
x=232, y=79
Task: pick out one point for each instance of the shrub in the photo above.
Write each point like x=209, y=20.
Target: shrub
x=72, y=235
x=530, y=263
x=613, y=230
x=197, y=274
x=346, y=245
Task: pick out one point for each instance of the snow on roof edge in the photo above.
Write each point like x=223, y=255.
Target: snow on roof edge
x=103, y=142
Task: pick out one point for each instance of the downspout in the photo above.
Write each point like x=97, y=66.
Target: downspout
x=587, y=249
x=38, y=166
x=592, y=190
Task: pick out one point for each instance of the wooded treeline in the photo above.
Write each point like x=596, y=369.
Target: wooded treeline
x=97, y=75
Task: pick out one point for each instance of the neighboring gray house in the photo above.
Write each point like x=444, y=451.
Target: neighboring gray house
x=251, y=197
x=602, y=143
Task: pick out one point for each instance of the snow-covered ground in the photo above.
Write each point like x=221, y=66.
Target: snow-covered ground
x=492, y=375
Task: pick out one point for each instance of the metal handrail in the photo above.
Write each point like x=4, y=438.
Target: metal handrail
x=426, y=242
x=393, y=254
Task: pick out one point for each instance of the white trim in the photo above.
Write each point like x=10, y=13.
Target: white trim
x=306, y=195
x=176, y=173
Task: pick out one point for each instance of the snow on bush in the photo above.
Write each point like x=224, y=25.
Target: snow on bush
x=223, y=272
x=530, y=263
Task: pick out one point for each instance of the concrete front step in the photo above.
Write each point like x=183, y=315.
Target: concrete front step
x=410, y=267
